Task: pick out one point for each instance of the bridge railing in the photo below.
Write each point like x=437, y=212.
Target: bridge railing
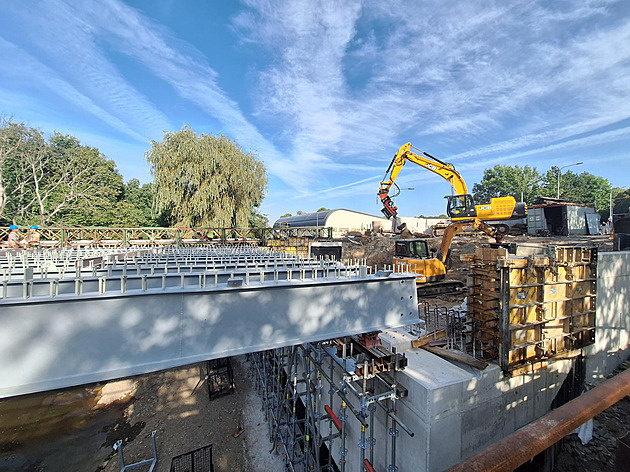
x=100, y=236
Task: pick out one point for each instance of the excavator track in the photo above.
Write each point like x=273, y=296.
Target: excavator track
x=440, y=288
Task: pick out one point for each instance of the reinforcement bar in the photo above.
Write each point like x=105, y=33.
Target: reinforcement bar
x=532, y=439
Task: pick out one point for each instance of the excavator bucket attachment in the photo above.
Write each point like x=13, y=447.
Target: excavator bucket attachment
x=389, y=209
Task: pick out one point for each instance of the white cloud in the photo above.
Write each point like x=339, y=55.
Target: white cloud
x=65, y=43
x=345, y=83
x=22, y=67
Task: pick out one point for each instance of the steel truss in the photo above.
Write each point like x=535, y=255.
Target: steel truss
x=311, y=392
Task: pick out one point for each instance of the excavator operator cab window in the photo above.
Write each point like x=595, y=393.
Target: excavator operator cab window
x=420, y=249
x=415, y=249
x=461, y=206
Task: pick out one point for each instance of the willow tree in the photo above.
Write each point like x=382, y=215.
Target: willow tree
x=205, y=180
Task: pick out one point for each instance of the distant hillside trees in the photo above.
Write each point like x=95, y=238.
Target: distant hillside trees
x=206, y=180
x=59, y=181
x=584, y=188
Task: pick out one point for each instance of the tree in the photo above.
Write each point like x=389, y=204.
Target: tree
x=503, y=181
x=205, y=180
x=136, y=207
x=258, y=220
x=621, y=200
x=56, y=182
x=286, y=215
x=585, y=188
x=323, y=209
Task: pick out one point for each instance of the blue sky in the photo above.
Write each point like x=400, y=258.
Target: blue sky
x=326, y=92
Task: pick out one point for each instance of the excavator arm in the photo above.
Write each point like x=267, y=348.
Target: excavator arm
x=455, y=228
x=445, y=170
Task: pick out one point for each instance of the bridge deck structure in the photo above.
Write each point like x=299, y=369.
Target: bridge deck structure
x=77, y=316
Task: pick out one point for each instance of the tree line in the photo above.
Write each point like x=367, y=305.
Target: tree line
x=529, y=184
x=198, y=180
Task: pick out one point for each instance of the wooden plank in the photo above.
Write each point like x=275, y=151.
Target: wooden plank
x=456, y=356
x=427, y=338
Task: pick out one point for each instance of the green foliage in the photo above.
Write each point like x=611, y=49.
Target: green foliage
x=62, y=182
x=205, y=180
x=286, y=215
x=583, y=188
x=136, y=207
x=258, y=220
x=323, y=209
x=503, y=181
x=621, y=202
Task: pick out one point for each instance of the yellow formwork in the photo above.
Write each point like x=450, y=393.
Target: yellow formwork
x=526, y=309
x=292, y=246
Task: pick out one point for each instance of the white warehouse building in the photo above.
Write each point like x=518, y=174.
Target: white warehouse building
x=343, y=221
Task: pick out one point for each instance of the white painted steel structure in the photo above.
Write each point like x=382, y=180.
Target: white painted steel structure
x=144, y=314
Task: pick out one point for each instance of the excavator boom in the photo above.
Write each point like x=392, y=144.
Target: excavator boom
x=454, y=228
x=426, y=160
x=461, y=205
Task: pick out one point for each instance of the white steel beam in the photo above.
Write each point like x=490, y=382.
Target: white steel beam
x=127, y=326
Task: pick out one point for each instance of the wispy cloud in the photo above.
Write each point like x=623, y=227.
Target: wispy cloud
x=63, y=41
x=344, y=83
x=21, y=66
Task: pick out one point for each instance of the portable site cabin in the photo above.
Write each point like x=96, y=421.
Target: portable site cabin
x=558, y=217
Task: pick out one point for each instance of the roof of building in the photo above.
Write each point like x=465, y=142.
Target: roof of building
x=542, y=202
x=317, y=218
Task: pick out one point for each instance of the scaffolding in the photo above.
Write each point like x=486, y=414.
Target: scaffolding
x=312, y=392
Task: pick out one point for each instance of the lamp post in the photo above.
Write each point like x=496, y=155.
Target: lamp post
x=559, y=172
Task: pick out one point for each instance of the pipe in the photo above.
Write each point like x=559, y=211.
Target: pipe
x=530, y=440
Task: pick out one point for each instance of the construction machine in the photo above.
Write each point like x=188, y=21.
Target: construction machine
x=431, y=266
x=461, y=206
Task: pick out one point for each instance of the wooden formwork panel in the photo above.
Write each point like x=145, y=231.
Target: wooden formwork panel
x=293, y=246
x=523, y=310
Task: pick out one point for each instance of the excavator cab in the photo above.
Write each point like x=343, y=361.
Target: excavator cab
x=413, y=255
x=413, y=248
x=461, y=206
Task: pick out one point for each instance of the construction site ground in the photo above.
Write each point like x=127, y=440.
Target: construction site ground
x=75, y=429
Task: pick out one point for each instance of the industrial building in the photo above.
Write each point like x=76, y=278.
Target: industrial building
x=550, y=216
x=345, y=221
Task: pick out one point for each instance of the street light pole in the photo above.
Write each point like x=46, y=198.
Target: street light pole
x=559, y=173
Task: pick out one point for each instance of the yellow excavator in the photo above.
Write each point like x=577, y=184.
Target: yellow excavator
x=413, y=255
x=461, y=205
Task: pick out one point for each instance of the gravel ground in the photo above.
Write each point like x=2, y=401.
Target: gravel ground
x=75, y=429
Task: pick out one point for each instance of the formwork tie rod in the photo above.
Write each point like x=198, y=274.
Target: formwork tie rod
x=530, y=440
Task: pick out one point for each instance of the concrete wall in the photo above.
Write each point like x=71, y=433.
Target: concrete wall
x=343, y=221
x=421, y=225
x=455, y=411
x=612, y=341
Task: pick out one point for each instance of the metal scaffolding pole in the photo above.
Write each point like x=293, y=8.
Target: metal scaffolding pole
x=291, y=382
